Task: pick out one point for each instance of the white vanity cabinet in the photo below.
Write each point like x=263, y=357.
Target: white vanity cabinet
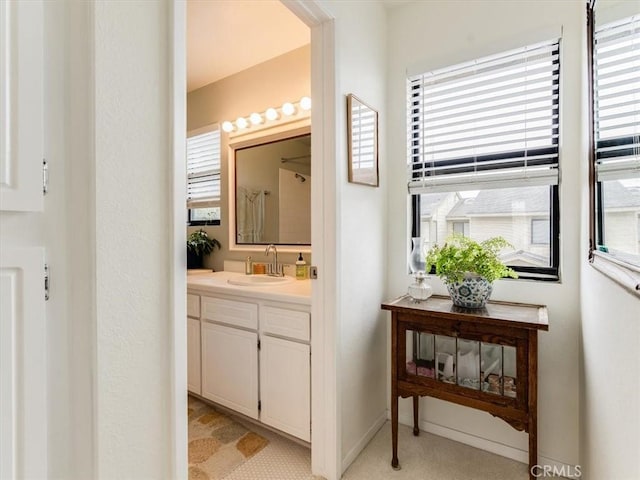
x=193, y=343
x=285, y=370
x=230, y=354
x=253, y=356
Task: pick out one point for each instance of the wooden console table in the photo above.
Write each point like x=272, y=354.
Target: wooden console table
x=485, y=359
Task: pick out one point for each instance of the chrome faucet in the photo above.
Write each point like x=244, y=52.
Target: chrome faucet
x=275, y=270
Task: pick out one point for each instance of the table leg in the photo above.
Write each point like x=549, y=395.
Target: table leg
x=533, y=446
x=533, y=402
x=416, y=401
x=394, y=433
x=394, y=391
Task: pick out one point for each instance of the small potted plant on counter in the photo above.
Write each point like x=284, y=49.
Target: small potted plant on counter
x=198, y=245
x=469, y=268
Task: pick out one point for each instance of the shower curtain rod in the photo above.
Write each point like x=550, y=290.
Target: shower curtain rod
x=290, y=159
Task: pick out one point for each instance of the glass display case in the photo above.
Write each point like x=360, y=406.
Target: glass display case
x=482, y=358
x=469, y=363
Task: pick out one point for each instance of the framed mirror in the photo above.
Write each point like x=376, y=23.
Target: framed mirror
x=272, y=190
x=362, y=124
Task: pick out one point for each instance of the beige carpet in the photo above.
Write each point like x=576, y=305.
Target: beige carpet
x=217, y=443
x=429, y=457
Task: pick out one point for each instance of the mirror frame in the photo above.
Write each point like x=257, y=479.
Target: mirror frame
x=257, y=136
x=372, y=180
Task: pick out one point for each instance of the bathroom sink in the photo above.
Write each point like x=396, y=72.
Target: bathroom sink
x=259, y=281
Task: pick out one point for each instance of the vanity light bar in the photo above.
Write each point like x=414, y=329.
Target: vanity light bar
x=271, y=114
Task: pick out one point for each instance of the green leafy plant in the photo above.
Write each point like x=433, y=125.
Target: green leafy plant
x=199, y=243
x=461, y=255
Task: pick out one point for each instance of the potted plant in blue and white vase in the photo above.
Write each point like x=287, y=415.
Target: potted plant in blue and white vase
x=469, y=268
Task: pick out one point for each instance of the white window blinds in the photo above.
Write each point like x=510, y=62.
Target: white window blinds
x=617, y=99
x=203, y=169
x=488, y=123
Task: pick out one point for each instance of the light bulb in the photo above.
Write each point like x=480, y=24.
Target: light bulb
x=256, y=118
x=241, y=122
x=271, y=114
x=305, y=103
x=288, y=108
x=227, y=126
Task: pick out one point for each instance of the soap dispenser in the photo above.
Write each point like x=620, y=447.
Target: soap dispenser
x=301, y=269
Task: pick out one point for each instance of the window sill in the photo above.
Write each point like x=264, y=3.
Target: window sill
x=624, y=274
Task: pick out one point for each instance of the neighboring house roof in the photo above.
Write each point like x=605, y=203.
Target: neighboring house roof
x=511, y=258
x=430, y=201
x=502, y=201
x=616, y=195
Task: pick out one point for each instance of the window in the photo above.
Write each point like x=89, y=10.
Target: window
x=540, y=230
x=203, y=177
x=616, y=91
x=461, y=228
x=483, y=152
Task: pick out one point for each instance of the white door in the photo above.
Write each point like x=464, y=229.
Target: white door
x=193, y=355
x=230, y=367
x=23, y=345
x=285, y=386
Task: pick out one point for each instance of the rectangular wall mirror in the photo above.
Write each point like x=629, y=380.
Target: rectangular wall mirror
x=272, y=190
x=362, y=124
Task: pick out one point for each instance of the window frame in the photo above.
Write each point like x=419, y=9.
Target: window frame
x=550, y=273
x=206, y=203
x=624, y=274
x=543, y=274
x=201, y=223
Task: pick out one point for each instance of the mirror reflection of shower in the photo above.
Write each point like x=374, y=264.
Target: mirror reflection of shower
x=281, y=167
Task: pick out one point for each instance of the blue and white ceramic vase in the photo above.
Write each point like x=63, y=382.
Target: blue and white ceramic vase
x=472, y=292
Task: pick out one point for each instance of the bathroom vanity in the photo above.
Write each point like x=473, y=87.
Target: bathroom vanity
x=248, y=344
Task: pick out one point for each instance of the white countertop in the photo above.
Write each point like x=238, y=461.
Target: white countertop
x=206, y=281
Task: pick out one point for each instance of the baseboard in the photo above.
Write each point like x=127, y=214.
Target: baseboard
x=568, y=471
x=366, y=438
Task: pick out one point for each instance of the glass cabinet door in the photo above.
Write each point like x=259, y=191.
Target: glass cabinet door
x=468, y=364
x=510, y=368
x=446, y=358
x=491, y=368
x=483, y=366
x=420, y=354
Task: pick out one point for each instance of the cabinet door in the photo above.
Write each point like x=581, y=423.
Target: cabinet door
x=285, y=386
x=21, y=105
x=193, y=355
x=230, y=367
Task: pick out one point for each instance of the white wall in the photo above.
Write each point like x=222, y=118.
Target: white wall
x=610, y=439
x=361, y=231
x=610, y=342
x=428, y=35
x=133, y=311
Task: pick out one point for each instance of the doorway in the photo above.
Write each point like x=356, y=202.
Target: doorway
x=325, y=442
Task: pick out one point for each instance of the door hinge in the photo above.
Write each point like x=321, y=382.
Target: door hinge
x=46, y=282
x=258, y=344
x=313, y=272
x=259, y=405
x=45, y=177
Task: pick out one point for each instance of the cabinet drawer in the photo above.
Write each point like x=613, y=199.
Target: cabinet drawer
x=193, y=305
x=239, y=314
x=286, y=323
